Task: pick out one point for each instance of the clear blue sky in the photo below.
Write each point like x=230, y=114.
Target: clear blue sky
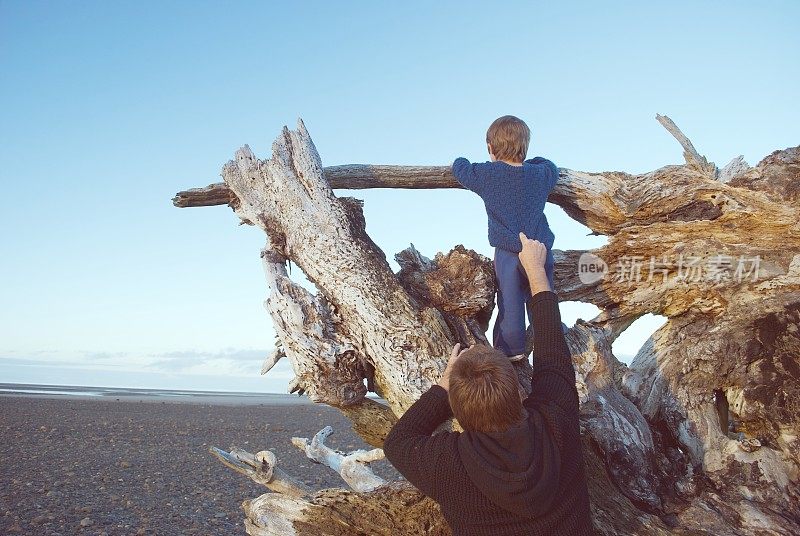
x=109, y=108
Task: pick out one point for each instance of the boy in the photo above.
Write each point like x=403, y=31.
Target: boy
x=514, y=191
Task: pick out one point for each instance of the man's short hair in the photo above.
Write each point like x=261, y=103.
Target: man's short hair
x=509, y=137
x=484, y=391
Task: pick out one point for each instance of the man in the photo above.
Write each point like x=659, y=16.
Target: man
x=517, y=468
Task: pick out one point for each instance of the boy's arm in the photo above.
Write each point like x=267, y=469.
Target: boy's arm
x=550, y=170
x=467, y=176
x=411, y=448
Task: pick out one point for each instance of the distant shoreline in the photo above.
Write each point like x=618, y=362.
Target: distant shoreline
x=164, y=396
x=121, y=394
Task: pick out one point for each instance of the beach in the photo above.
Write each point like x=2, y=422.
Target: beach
x=124, y=463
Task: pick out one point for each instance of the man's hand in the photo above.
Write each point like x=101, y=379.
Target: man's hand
x=533, y=257
x=444, y=381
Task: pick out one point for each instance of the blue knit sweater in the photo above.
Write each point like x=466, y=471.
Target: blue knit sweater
x=514, y=197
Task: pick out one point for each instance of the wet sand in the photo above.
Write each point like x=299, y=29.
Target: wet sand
x=140, y=465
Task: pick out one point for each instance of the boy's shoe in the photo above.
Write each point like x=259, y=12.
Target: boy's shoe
x=518, y=357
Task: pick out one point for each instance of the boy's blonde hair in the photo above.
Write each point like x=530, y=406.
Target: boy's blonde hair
x=484, y=392
x=509, y=137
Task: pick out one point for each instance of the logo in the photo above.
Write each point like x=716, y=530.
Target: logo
x=591, y=268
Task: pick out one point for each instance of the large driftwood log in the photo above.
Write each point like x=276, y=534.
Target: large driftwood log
x=697, y=436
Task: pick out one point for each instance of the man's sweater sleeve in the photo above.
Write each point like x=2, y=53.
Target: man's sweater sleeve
x=553, y=377
x=410, y=447
x=467, y=176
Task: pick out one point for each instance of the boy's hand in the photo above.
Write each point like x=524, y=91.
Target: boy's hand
x=533, y=257
x=444, y=381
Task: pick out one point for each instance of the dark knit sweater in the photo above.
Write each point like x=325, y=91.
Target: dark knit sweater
x=514, y=197
x=527, y=480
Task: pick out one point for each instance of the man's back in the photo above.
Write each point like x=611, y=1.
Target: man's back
x=528, y=479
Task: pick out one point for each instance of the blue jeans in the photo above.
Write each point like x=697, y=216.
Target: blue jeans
x=513, y=295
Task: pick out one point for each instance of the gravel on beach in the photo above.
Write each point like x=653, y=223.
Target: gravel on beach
x=107, y=467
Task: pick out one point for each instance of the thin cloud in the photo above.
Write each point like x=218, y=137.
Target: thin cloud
x=226, y=362
x=229, y=353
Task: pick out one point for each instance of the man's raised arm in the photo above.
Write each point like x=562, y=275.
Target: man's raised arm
x=553, y=376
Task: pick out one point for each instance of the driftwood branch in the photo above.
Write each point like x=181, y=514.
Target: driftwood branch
x=261, y=468
x=693, y=158
x=351, y=467
x=347, y=177
x=272, y=358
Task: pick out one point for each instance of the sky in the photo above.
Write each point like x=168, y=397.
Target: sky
x=109, y=108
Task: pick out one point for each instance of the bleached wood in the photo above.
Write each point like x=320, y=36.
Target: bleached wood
x=351, y=467
x=693, y=158
x=262, y=468
x=349, y=176
x=272, y=359
x=391, y=510
x=288, y=197
x=733, y=168
x=322, y=359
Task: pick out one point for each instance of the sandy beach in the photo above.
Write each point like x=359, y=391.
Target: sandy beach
x=140, y=464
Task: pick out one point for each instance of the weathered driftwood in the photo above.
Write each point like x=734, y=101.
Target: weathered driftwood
x=388, y=510
x=351, y=467
x=262, y=468
x=697, y=436
x=352, y=177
